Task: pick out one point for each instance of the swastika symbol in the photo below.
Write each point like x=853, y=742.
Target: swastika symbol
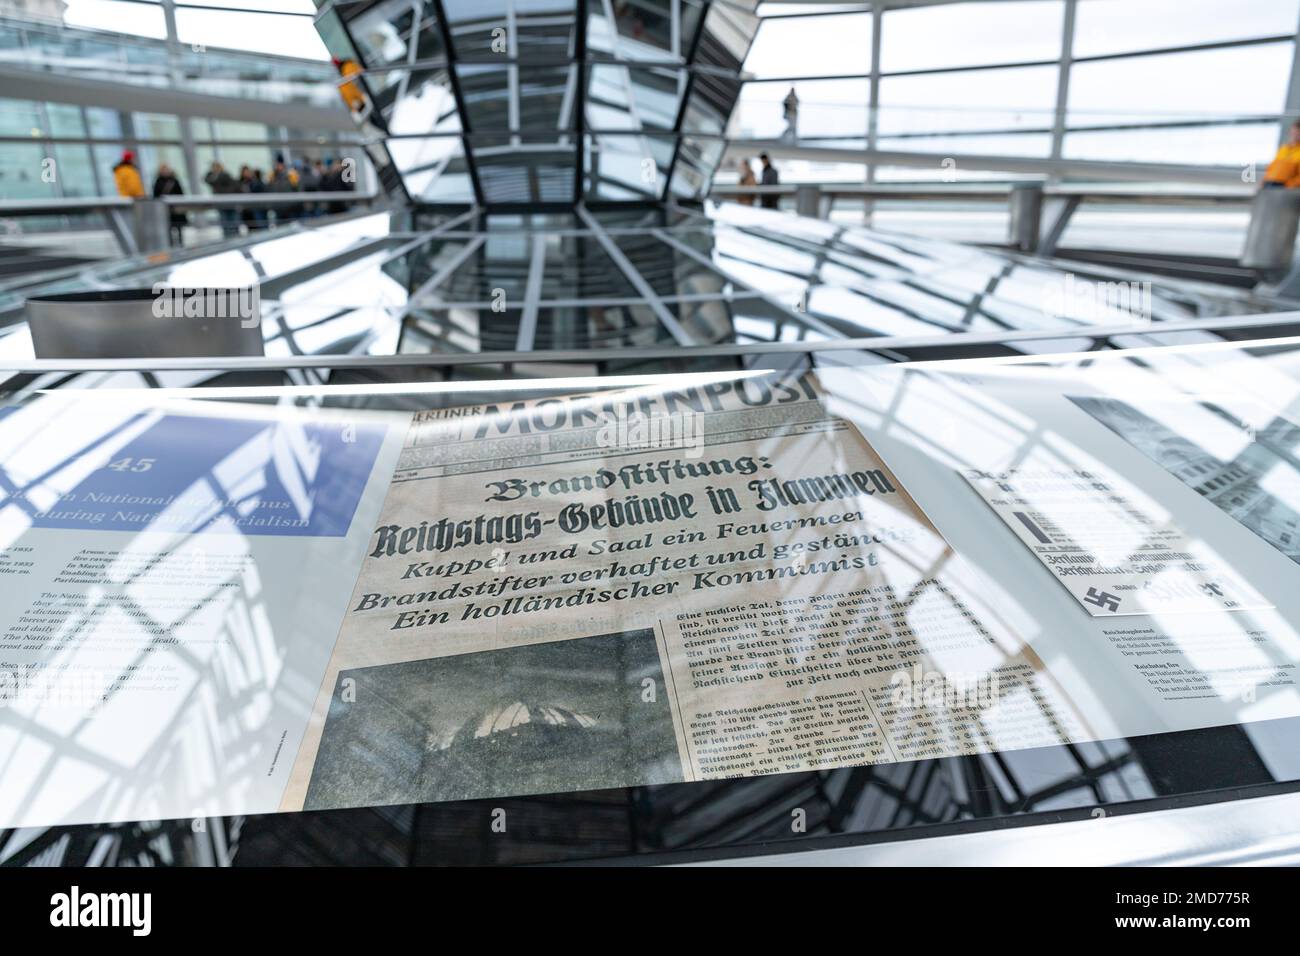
x=1102, y=599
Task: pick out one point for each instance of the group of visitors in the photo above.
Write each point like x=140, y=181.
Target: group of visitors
x=303, y=175
x=769, y=177
x=325, y=176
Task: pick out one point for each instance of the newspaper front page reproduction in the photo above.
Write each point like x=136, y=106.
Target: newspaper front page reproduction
x=699, y=581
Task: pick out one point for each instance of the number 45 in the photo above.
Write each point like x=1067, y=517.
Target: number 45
x=131, y=464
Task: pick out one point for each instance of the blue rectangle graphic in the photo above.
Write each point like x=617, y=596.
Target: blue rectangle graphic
x=190, y=474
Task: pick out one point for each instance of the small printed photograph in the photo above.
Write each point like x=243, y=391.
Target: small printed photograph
x=544, y=718
x=1238, y=477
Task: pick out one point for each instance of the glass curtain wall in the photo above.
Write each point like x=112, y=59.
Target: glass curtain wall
x=1124, y=81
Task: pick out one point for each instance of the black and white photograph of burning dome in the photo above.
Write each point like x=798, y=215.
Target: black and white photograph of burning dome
x=584, y=714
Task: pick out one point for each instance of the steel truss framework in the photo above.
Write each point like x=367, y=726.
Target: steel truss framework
x=578, y=100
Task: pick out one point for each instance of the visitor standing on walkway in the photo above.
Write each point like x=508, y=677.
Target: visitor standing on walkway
x=770, y=178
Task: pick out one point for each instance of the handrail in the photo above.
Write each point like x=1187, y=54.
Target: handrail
x=1097, y=169
x=945, y=343
x=1028, y=230
x=994, y=192
x=998, y=192
x=17, y=208
x=267, y=199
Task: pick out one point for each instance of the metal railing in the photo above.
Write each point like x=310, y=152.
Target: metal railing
x=141, y=225
x=1040, y=213
x=885, y=347
x=68, y=51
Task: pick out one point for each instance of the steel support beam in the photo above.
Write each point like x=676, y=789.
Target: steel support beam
x=652, y=300
x=118, y=220
x=1063, y=79
x=423, y=296
x=1292, y=106
x=948, y=342
x=873, y=100
x=532, y=295
x=1062, y=210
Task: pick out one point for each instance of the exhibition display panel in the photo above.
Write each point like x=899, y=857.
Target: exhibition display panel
x=756, y=598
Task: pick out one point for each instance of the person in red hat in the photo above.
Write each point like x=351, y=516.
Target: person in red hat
x=127, y=177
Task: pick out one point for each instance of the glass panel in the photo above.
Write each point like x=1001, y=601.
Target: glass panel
x=20, y=118
x=619, y=97
x=482, y=30
x=108, y=155
x=156, y=126
x=393, y=32
x=513, y=169
x=670, y=272
x=306, y=7
x=418, y=102
x=971, y=34
x=812, y=46
x=729, y=30
x=232, y=136
x=1020, y=144
x=1122, y=26
x=153, y=156
x=139, y=19
x=25, y=172
x=577, y=267
x=627, y=167
x=64, y=119
x=543, y=30
x=1191, y=85
x=827, y=109
x=335, y=36
x=103, y=123
x=476, y=329
x=1208, y=234
x=433, y=169
x=804, y=9
x=711, y=104
x=279, y=35
x=514, y=98
x=76, y=172
x=986, y=100
x=1235, y=145
x=657, y=30
x=697, y=161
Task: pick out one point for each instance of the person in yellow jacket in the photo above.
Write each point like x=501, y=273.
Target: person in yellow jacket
x=127, y=177
x=1284, y=171
x=351, y=92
